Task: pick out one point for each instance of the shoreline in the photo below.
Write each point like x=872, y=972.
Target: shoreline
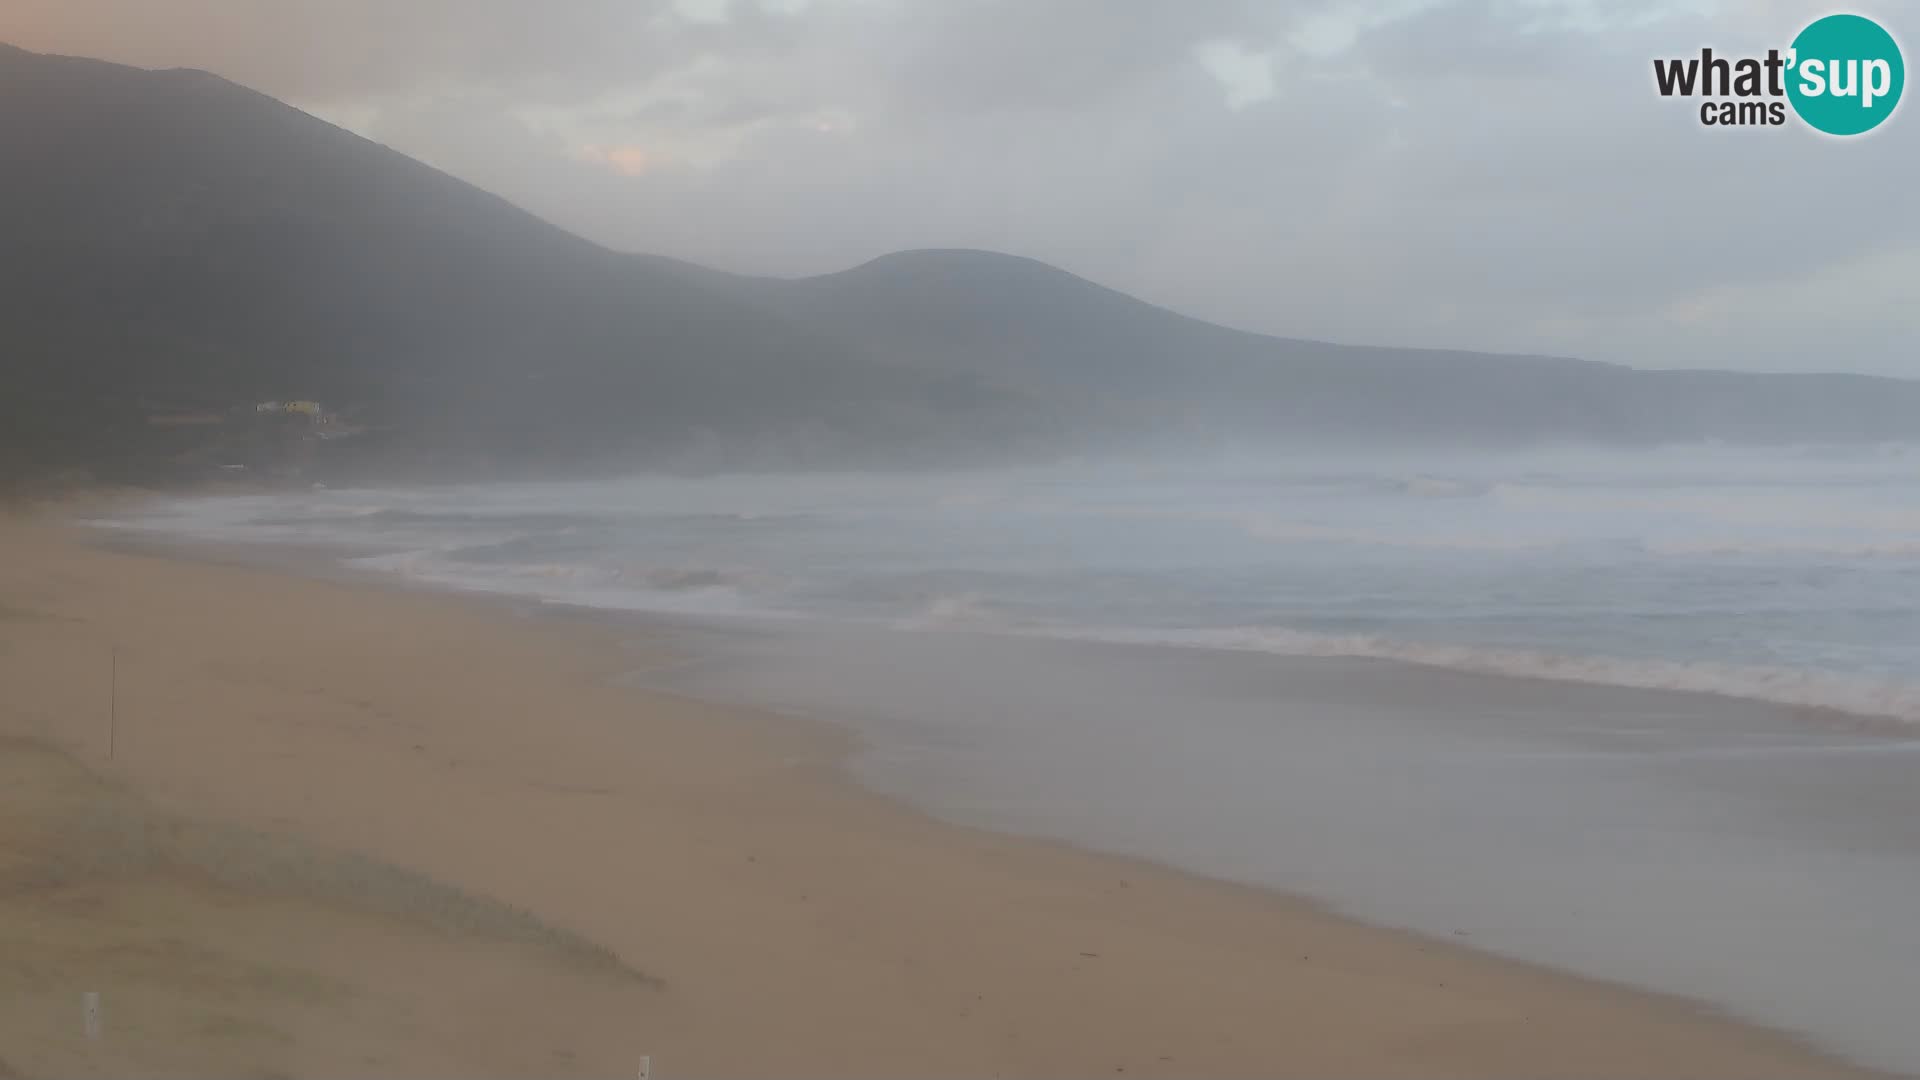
x=891, y=966
x=331, y=562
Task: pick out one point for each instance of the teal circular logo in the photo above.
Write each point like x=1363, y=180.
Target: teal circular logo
x=1846, y=75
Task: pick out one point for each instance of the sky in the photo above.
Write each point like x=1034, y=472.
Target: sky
x=1496, y=175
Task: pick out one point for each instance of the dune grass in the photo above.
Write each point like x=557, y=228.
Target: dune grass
x=65, y=826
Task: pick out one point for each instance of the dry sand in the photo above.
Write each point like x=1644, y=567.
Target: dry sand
x=386, y=832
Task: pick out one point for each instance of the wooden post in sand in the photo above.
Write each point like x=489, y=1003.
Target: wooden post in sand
x=113, y=697
x=646, y=1067
x=90, y=1014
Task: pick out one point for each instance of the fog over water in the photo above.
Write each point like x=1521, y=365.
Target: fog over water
x=1782, y=575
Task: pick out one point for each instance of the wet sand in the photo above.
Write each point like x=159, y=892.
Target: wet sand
x=1752, y=855
x=767, y=917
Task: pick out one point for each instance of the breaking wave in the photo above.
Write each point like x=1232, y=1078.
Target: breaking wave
x=692, y=590
x=1295, y=532
x=954, y=611
x=1890, y=549
x=1863, y=696
x=1858, y=695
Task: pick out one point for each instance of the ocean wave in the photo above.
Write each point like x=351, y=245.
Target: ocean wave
x=954, y=611
x=1271, y=527
x=317, y=512
x=1890, y=549
x=680, y=589
x=1747, y=505
x=1300, y=532
x=450, y=521
x=1439, y=487
x=678, y=578
x=1858, y=695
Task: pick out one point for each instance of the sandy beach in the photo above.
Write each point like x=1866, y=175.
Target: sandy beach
x=293, y=826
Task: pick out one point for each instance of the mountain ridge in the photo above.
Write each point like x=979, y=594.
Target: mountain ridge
x=179, y=242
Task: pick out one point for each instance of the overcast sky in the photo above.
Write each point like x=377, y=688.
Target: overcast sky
x=1486, y=175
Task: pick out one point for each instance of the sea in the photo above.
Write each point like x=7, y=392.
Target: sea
x=1648, y=716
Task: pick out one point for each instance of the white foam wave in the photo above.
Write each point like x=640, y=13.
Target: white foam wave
x=1749, y=507
x=682, y=590
x=954, y=611
x=1440, y=487
x=1892, y=549
x=1299, y=532
x=1860, y=695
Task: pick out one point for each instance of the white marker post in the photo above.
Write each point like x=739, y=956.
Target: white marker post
x=646, y=1067
x=90, y=1014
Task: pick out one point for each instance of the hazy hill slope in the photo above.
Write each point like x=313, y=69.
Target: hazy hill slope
x=174, y=240
x=1095, y=352
x=1032, y=327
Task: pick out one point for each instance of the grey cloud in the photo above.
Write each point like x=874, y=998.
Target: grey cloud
x=1015, y=55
